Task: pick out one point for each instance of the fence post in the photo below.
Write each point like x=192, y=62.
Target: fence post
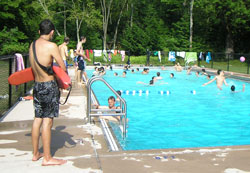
x=93, y=57
x=128, y=62
x=212, y=58
x=248, y=65
x=25, y=66
x=10, y=87
x=148, y=57
x=228, y=55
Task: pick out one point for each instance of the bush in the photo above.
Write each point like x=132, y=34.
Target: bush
x=12, y=41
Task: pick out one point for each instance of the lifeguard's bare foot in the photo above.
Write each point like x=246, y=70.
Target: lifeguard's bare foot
x=53, y=162
x=36, y=157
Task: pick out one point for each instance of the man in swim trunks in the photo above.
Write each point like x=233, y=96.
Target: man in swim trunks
x=64, y=50
x=45, y=92
x=220, y=79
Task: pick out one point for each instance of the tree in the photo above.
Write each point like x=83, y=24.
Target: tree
x=191, y=25
x=12, y=41
x=106, y=6
x=45, y=6
x=84, y=11
x=118, y=22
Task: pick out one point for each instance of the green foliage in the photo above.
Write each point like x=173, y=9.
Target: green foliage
x=145, y=24
x=135, y=39
x=12, y=41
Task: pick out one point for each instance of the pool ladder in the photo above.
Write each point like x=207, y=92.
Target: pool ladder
x=91, y=112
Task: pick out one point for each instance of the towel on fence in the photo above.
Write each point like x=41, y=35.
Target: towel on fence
x=190, y=57
x=208, y=57
x=19, y=62
x=110, y=56
x=171, y=56
x=159, y=55
x=115, y=52
x=181, y=54
x=200, y=55
x=105, y=55
x=87, y=53
x=71, y=54
x=97, y=53
x=123, y=54
x=91, y=51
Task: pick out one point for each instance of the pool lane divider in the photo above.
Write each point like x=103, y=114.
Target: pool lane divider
x=164, y=92
x=140, y=92
x=127, y=92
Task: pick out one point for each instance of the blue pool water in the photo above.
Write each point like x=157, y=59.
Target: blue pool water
x=182, y=119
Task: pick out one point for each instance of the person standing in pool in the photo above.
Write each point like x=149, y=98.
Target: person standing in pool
x=172, y=75
x=158, y=76
x=220, y=79
x=45, y=91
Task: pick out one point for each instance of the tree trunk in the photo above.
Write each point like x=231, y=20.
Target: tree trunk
x=77, y=30
x=191, y=25
x=45, y=8
x=65, y=22
x=229, y=43
x=118, y=22
x=105, y=13
x=131, y=17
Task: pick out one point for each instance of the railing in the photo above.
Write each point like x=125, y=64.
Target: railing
x=106, y=112
x=9, y=95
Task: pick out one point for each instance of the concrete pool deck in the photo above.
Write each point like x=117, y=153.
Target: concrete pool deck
x=85, y=148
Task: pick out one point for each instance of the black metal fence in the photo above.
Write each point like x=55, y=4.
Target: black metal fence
x=235, y=62
x=9, y=94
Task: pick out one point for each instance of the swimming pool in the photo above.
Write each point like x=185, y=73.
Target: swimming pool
x=186, y=116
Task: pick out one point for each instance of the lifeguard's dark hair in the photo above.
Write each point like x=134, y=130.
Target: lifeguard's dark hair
x=45, y=27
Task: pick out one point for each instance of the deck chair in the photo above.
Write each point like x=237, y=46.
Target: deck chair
x=190, y=57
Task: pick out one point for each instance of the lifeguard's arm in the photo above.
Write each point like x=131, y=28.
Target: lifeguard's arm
x=56, y=54
x=209, y=81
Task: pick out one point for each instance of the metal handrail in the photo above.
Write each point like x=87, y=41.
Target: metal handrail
x=122, y=110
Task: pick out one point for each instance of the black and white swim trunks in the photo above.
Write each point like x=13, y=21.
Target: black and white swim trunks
x=46, y=99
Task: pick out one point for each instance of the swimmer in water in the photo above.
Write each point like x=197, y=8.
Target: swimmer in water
x=220, y=79
x=151, y=83
x=233, y=89
x=171, y=75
